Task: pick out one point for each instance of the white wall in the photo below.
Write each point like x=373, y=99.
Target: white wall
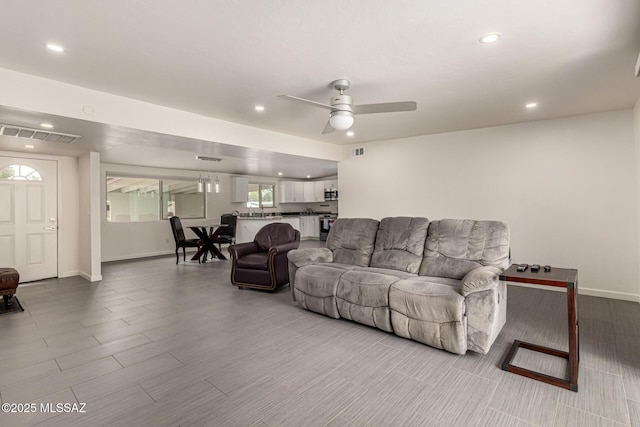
x=636, y=121
x=566, y=187
x=32, y=93
x=89, y=219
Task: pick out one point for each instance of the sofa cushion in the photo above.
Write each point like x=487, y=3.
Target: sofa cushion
x=315, y=288
x=254, y=261
x=388, y=271
x=454, y=247
x=352, y=240
x=428, y=312
x=363, y=296
x=400, y=243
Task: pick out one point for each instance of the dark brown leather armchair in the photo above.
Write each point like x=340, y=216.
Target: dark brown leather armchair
x=263, y=264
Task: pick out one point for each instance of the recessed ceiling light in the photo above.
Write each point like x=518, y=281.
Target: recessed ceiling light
x=308, y=176
x=55, y=47
x=279, y=173
x=46, y=125
x=350, y=133
x=29, y=146
x=259, y=107
x=490, y=38
x=531, y=105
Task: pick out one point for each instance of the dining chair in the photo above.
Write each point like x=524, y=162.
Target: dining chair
x=181, y=241
x=228, y=234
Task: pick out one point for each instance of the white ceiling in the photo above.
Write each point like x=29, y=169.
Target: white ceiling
x=220, y=58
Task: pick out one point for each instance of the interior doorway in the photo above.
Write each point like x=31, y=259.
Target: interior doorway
x=28, y=217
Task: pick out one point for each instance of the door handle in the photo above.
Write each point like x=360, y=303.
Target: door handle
x=52, y=228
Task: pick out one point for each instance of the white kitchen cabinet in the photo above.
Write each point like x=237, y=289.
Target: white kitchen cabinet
x=239, y=189
x=331, y=184
x=247, y=228
x=293, y=221
x=314, y=191
x=309, y=192
x=310, y=227
x=291, y=192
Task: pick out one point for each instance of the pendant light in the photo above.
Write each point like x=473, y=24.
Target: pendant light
x=200, y=184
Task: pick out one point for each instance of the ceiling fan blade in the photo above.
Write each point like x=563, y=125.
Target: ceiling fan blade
x=306, y=101
x=327, y=128
x=385, y=107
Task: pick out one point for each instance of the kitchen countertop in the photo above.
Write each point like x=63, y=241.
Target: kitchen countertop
x=253, y=218
x=271, y=217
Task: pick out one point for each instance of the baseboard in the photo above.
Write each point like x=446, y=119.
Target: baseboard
x=71, y=273
x=624, y=296
x=142, y=255
x=90, y=278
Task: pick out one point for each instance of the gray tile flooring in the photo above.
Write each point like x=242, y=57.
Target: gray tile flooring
x=160, y=344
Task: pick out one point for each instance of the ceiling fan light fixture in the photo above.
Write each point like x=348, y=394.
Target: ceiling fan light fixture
x=341, y=120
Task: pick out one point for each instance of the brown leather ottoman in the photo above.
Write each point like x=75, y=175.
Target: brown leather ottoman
x=9, y=278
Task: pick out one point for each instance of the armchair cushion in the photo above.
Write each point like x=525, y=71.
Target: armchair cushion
x=254, y=261
x=242, y=249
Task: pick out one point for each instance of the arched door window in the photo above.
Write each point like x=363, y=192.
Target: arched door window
x=20, y=173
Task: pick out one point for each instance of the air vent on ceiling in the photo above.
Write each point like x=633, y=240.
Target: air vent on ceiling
x=209, y=159
x=357, y=152
x=42, y=135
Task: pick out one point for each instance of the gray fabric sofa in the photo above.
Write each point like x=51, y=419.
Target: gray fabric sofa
x=433, y=282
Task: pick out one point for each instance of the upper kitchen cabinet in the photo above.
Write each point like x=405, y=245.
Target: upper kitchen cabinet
x=303, y=191
x=239, y=189
x=291, y=192
x=314, y=191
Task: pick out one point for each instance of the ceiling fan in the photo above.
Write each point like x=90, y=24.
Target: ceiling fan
x=342, y=109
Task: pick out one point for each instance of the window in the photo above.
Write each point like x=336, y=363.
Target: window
x=261, y=196
x=131, y=199
x=20, y=173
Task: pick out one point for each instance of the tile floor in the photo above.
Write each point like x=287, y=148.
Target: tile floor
x=159, y=344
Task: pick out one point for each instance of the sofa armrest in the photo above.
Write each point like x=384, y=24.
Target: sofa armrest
x=242, y=249
x=480, y=279
x=302, y=257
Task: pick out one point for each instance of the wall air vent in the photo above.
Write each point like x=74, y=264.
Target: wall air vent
x=357, y=152
x=42, y=135
x=209, y=159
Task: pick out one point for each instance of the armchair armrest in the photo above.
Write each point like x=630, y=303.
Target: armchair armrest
x=242, y=249
x=480, y=279
x=302, y=257
x=283, y=248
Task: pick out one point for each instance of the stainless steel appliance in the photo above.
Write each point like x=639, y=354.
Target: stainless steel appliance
x=330, y=194
x=326, y=221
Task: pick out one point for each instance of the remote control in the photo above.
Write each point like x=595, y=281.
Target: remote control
x=535, y=268
x=522, y=267
x=547, y=268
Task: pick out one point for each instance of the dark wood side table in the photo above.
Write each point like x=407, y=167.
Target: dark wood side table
x=560, y=278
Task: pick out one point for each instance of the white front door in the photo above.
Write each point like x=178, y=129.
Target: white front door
x=28, y=217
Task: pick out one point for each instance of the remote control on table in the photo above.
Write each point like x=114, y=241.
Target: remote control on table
x=535, y=267
x=522, y=267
